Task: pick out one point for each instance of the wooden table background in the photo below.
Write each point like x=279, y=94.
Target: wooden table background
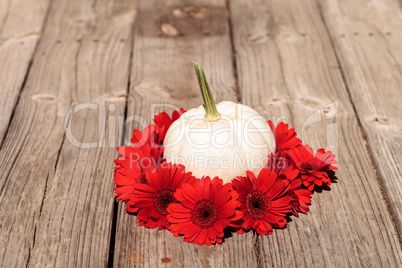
x=336, y=64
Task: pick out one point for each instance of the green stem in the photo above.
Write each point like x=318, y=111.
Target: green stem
x=211, y=113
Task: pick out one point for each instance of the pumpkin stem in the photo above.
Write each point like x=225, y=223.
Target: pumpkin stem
x=211, y=113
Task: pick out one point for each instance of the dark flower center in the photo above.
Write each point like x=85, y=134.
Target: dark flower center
x=258, y=204
x=205, y=213
x=141, y=178
x=308, y=166
x=162, y=199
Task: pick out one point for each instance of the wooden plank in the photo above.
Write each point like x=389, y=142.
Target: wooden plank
x=287, y=67
x=367, y=37
x=56, y=198
x=19, y=35
x=162, y=73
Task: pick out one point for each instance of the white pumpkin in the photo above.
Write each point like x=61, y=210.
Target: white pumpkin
x=224, y=140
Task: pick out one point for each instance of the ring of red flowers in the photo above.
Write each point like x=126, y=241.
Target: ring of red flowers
x=164, y=195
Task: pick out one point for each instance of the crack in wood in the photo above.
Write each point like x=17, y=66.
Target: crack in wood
x=29, y=249
x=40, y=213
x=43, y=199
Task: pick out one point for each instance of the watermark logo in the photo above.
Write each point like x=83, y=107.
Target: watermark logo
x=112, y=124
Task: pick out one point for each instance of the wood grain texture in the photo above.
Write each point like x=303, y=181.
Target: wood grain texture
x=315, y=64
x=287, y=67
x=56, y=199
x=21, y=24
x=367, y=39
x=168, y=37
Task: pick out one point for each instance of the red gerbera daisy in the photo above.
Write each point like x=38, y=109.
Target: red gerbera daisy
x=300, y=198
x=285, y=171
x=152, y=199
x=206, y=209
x=264, y=201
x=285, y=138
x=277, y=162
x=130, y=167
x=151, y=135
x=163, y=120
x=313, y=168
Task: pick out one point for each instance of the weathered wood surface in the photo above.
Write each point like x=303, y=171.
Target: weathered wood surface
x=370, y=54
x=56, y=199
x=19, y=35
x=56, y=202
x=162, y=73
x=287, y=66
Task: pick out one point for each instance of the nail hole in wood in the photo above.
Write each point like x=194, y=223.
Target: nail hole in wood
x=382, y=121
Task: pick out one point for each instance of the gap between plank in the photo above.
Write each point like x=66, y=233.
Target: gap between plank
x=364, y=136
x=257, y=249
x=113, y=234
x=234, y=62
x=112, y=244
